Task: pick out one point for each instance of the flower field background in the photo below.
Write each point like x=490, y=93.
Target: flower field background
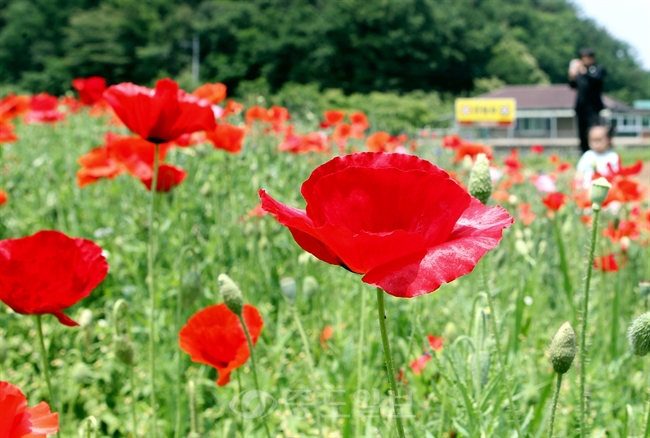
x=319, y=355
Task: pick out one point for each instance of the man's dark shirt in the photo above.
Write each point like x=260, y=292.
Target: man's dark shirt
x=589, y=86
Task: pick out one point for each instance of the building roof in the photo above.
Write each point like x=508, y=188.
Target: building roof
x=554, y=96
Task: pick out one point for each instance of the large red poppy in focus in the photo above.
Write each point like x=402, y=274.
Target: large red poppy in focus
x=162, y=114
x=48, y=272
x=19, y=421
x=214, y=336
x=399, y=220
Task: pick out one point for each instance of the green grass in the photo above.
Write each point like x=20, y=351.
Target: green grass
x=460, y=390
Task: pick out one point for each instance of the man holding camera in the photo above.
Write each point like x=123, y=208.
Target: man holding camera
x=587, y=78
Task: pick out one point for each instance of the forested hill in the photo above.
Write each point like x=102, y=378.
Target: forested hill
x=354, y=45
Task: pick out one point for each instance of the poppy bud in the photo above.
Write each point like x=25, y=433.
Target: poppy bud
x=86, y=318
x=190, y=288
x=309, y=285
x=480, y=182
x=599, y=190
x=639, y=335
x=288, y=286
x=231, y=294
x=124, y=350
x=644, y=288
x=563, y=348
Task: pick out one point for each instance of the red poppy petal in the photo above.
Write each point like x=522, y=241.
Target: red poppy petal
x=14, y=418
x=44, y=422
x=478, y=230
x=301, y=227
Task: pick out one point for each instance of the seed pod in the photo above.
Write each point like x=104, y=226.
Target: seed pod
x=288, y=286
x=639, y=335
x=231, y=294
x=563, y=348
x=644, y=288
x=123, y=349
x=309, y=285
x=190, y=288
x=599, y=190
x=480, y=182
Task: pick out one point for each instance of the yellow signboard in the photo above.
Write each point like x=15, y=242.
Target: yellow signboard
x=486, y=111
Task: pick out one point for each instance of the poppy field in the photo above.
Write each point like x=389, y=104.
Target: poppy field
x=175, y=264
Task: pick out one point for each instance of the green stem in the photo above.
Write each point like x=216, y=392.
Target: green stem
x=647, y=423
x=179, y=358
x=257, y=385
x=240, y=388
x=152, y=291
x=558, y=385
x=194, y=424
x=585, y=314
x=310, y=360
x=133, y=415
x=493, y=322
x=360, y=349
x=46, y=365
x=564, y=265
x=389, y=361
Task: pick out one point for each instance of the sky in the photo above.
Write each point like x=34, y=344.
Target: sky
x=627, y=20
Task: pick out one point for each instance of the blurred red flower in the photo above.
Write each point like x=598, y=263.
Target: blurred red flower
x=97, y=164
x=7, y=133
x=227, y=137
x=332, y=118
x=19, y=421
x=214, y=336
x=634, y=169
x=256, y=113
x=563, y=167
x=214, y=93
x=606, y=263
x=622, y=229
x=512, y=163
x=301, y=144
x=383, y=142
x=231, y=108
x=471, y=150
x=278, y=116
x=3, y=197
x=554, y=159
x=399, y=220
x=537, y=149
x=451, y=141
x=326, y=335
x=435, y=342
x=162, y=114
x=48, y=272
x=554, y=201
x=359, y=124
x=90, y=89
x=169, y=176
x=13, y=106
x=525, y=215
x=43, y=109
x=418, y=365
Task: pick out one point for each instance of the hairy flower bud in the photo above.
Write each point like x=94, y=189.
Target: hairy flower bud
x=231, y=294
x=480, y=182
x=563, y=348
x=288, y=286
x=123, y=349
x=599, y=190
x=639, y=335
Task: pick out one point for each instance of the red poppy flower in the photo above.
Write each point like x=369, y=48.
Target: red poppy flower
x=7, y=133
x=629, y=229
x=537, y=149
x=49, y=271
x=13, y=106
x=278, y=116
x=435, y=342
x=626, y=190
x=231, y=108
x=634, y=169
x=501, y=196
x=525, y=215
x=97, y=164
x=17, y=420
x=451, y=141
x=359, y=124
x=135, y=154
x=418, y=365
x=214, y=336
x=399, y=220
x=162, y=114
x=554, y=159
x=3, y=197
x=43, y=109
x=341, y=132
x=302, y=144
x=383, y=142
x=332, y=118
x=214, y=93
x=471, y=150
x=168, y=177
x=563, y=167
x=227, y=137
x=606, y=263
x=90, y=89
x=554, y=201
x=326, y=335
x=256, y=113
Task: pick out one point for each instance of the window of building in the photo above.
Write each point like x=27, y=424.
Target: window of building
x=530, y=124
